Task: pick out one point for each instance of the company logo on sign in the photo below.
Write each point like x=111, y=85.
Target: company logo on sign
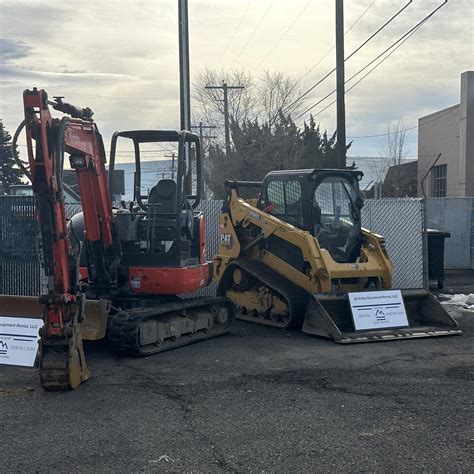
x=3, y=347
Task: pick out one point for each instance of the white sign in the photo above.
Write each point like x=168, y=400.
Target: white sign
x=378, y=310
x=19, y=340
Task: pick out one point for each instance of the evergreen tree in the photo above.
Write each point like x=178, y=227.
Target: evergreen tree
x=259, y=149
x=9, y=172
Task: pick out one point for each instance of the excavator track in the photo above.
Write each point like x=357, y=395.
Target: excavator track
x=152, y=329
x=295, y=298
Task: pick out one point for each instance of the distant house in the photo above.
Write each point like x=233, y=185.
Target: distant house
x=70, y=195
x=449, y=132
x=401, y=180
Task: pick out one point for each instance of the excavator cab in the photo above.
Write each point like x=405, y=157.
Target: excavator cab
x=161, y=227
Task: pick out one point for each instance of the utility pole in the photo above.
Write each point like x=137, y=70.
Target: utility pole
x=340, y=78
x=184, y=87
x=201, y=128
x=172, y=156
x=226, y=89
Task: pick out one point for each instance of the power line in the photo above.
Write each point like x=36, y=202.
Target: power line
x=256, y=28
x=348, y=57
x=284, y=34
x=313, y=67
x=400, y=40
x=235, y=32
x=406, y=129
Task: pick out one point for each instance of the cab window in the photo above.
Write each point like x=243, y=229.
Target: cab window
x=284, y=201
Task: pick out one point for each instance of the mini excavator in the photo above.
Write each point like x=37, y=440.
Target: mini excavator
x=113, y=273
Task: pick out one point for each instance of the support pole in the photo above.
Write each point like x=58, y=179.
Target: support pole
x=340, y=78
x=225, y=87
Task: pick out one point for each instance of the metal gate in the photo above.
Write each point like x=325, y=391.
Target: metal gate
x=456, y=216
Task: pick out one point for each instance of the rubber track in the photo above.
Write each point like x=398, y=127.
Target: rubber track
x=123, y=329
x=296, y=297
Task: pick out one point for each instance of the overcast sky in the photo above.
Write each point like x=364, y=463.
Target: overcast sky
x=121, y=57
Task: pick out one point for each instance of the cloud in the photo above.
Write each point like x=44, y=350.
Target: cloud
x=121, y=58
x=11, y=49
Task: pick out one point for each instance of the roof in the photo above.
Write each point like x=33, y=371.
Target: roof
x=314, y=171
x=401, y=180
x=442, y=111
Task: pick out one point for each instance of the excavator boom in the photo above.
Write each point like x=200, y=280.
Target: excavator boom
x=62, y=361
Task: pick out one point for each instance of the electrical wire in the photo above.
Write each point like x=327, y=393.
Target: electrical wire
x=330, y=50
x=235, y=32
x=394, y=46
x=255, y=29
x=302, y=96
x=284, y=34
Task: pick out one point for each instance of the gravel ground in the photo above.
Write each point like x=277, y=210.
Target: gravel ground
x=257, y=400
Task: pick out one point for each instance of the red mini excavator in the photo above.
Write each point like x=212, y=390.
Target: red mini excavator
x=114, y=272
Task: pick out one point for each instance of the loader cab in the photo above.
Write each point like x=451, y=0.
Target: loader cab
x=326, y=203
x=160, y=226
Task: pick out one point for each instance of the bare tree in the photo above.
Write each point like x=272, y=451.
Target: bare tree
x=392, y=153
x=275, y=92
x=260, y=99
x=207, y=103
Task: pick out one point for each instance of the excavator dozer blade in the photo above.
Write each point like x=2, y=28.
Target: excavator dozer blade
x=329, y=315
x=93, y=327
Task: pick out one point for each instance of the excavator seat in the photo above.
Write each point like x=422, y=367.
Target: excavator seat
x=162, y=197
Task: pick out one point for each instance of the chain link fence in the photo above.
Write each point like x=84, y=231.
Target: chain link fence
x=20, y=270
x=400, y=221
x=456, y=216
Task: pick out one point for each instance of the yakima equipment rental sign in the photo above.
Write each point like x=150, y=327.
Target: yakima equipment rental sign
x=378, y=310
x=19, y=340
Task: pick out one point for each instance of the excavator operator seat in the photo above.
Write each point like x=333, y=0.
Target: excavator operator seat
x=162, y=197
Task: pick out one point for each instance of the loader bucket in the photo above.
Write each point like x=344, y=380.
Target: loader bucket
x=92, y=328
x=329, y=315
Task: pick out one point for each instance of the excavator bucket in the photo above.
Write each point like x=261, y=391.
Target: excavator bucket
x=329, y=315
x=92, y=328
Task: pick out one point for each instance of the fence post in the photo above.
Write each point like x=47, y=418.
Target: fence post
x=424, y=220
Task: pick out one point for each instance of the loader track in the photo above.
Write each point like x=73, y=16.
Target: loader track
x=295, y=297
x=132, y=331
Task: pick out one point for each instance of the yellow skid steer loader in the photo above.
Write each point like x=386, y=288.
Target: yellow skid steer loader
x=296, y=256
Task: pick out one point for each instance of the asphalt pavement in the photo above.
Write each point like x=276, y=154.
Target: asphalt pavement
x=257, y=400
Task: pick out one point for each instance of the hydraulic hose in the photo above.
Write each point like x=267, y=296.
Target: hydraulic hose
x=21, y=164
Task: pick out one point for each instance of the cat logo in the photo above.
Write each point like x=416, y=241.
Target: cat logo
x=226, y=240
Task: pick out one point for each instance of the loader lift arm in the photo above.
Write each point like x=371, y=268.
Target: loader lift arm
x=62, y=362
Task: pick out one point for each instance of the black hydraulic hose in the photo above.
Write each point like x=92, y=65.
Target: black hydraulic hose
x=17, y=159
x=59, y=158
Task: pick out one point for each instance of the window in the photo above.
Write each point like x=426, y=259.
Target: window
x=440, y=174
x=284, y=197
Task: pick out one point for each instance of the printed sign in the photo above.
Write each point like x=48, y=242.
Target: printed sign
x=378, y=310
x=19, y=340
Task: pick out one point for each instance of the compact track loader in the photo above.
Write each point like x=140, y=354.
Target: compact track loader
x=291, y=256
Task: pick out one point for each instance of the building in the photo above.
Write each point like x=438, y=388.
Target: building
x=449, y=132
x=401, y=180
x=70, y=195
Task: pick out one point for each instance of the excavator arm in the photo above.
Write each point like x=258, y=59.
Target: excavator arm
x=62, y=362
